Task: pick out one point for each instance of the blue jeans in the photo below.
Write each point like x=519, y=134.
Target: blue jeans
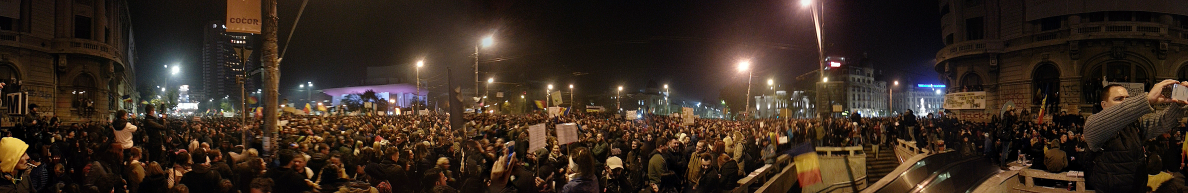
x=1006, y=150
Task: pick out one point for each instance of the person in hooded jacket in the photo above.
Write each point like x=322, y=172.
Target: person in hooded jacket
x=14, y=166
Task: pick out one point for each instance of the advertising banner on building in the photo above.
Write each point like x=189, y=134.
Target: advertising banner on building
x=10, y=9
x=965, y=100
x=243, y=16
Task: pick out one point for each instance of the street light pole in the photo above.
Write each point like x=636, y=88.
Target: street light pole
x=416, y=106
x=667, y=109
x=271, y=76
x=820, y=44
x=745, y=65
x=484, y=43
x=618, y=106
x=571, y=102
x=891, y=98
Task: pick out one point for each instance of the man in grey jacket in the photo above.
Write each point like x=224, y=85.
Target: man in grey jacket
x=1117, y=133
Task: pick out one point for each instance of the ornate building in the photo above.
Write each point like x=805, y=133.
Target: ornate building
x=1063, y=50
x=73, y=57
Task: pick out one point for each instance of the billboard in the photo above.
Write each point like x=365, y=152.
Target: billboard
x=243, y=16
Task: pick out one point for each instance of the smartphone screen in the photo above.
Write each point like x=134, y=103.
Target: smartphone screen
x=1179, y=92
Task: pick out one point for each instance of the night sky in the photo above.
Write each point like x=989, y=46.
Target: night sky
x=691, y=45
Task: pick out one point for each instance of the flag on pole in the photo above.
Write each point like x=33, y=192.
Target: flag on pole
x=539, y=104
x=808, y=169
x=252, y=100
x=259, y=112
x=1043, y=108
x=321, y=107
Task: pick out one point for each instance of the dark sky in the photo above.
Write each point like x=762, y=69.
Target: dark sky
x=692, y=45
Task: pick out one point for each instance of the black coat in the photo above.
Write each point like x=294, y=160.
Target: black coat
x=287, y=180
x=154, y=183
x=730, y=175
x=202, y=179
x=1120, y=164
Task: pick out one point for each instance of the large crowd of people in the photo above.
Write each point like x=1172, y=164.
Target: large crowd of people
x=406, y=153
x=422, y=153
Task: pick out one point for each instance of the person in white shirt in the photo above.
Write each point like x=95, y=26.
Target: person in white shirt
x=123, y=130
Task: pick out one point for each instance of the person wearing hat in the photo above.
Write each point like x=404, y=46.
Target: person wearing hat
x=1055, y=159
x=14, y=166
x=615, y=178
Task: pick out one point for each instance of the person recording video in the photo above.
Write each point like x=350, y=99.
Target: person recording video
x=1115, y=135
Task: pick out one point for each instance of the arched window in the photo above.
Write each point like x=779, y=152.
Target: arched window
x=84, y=92
x=1114, y=71
x=1183, y=73
x=1046, y=82
x=8, y=74
x=971, y=82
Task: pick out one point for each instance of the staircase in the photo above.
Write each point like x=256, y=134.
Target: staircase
x=876, y=168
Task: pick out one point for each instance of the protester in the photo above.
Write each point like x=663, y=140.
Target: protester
x=1117, y=133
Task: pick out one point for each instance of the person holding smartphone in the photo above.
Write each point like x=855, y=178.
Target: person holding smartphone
x=1115, y=135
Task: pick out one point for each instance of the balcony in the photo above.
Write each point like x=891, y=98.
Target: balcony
x=969, y=48
x=1084, y=31
x=86, y=47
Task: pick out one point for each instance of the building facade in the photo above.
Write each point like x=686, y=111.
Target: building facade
x=75, y=59
x=222, y=63
x=866, y=95
x=1064, y=50
x=920, y=98
x=850, y=87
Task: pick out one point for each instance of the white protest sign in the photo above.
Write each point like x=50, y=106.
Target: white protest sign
x=537, y=137
x=554, y=111
x=567, y=133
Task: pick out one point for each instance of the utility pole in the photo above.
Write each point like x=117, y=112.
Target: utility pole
x=244, y=53
x=271, y=76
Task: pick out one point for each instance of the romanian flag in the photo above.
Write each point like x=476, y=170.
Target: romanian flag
x=127, y=98
x=259, y=111
x=306, y=108
x=252, y=100
x=539, y=104
x=321, y=107
x=1043, y=107
x=808, y=168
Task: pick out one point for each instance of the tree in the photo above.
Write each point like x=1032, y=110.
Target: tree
x=352, y=101
x=226, y=106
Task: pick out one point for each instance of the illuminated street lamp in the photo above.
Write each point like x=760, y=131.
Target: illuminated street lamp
x=820, y=44
x=891, y=97
x=420, y=63
x=667, y=92
x=485, y=42
x=618, y=105
x=489, y=81
x=571, y=102
x=548, y=95
x=745, y=66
